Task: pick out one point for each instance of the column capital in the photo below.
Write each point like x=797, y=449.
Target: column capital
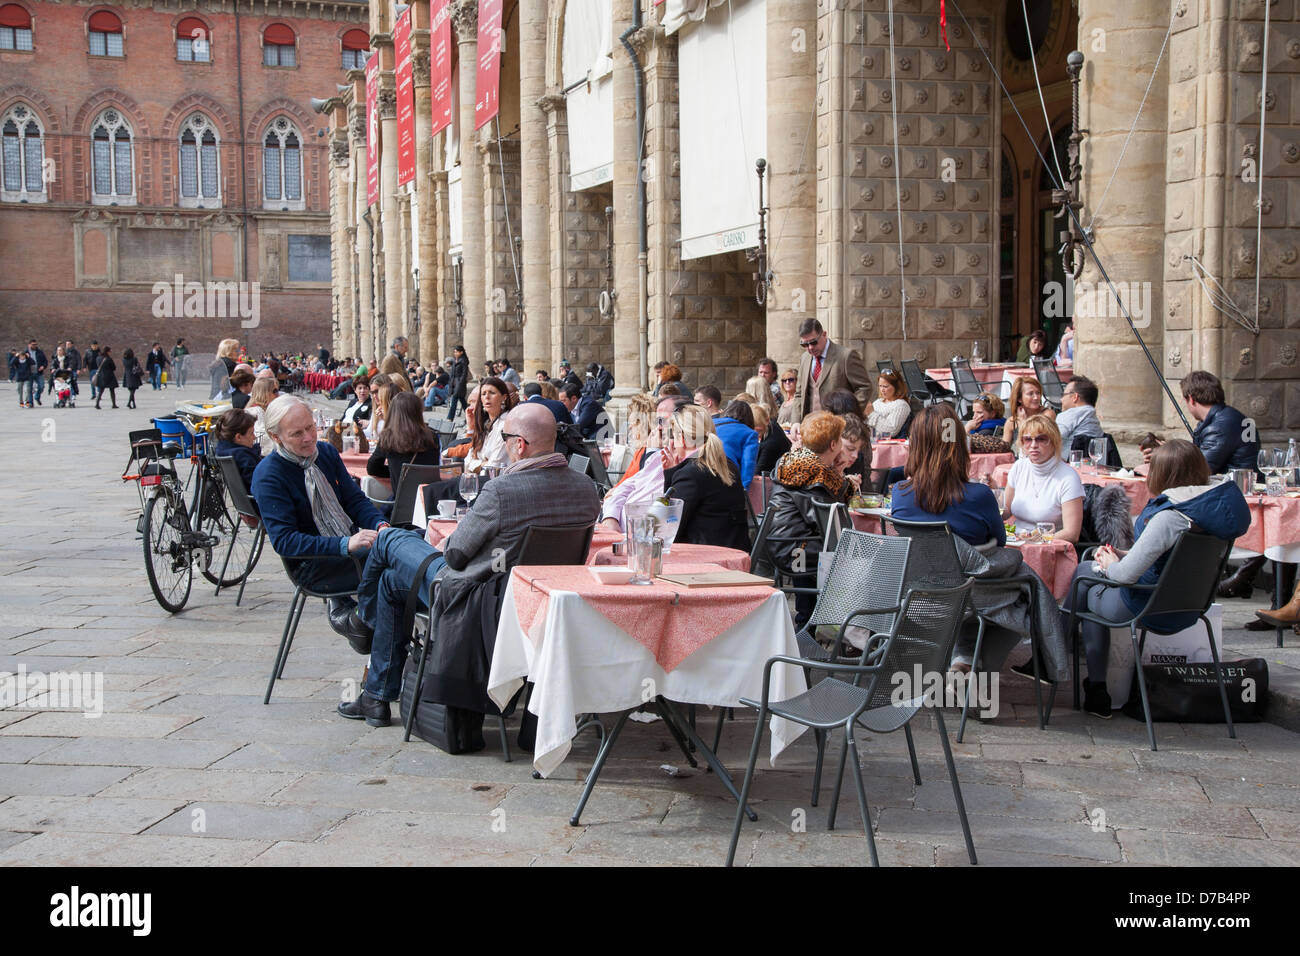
x=420, y=70
x=378, y=40
x=340, y=151
x=464, y=18
x=388, y=104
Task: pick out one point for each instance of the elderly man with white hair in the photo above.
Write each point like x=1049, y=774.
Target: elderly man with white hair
x=537, y=489
x=312, y=508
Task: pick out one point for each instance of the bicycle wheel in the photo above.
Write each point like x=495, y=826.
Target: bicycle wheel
x=220, y=520
x=166, y=559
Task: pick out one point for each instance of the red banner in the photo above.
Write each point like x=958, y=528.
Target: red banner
x=487, y=87
x=372, y=129
x=440, y=45
x=405, y=100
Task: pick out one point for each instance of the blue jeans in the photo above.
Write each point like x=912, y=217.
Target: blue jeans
x=38, y=385
x=1106, y=601
x=389, y=574
x=434, y=396
x=155, y=376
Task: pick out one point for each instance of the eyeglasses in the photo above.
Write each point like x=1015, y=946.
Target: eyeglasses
x=809, y=344
x=786, y=381
x=1033, y=439
x=508, y=435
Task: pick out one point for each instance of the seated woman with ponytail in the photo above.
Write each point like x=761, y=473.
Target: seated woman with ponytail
x=697, y=470
x=1182, y=500
x=236, y=439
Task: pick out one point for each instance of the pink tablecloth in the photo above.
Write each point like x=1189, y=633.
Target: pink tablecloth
x=1054, y=562
x=355, y=463
x=440, y=530
x=1274, y=528
x=682, y=553
x=1135, y=488
x=893, y=454
x=671, y=622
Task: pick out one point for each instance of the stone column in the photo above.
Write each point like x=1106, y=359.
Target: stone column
x=535, y=228
x=465, y=22
x=627, y=171
x=394, y=319
x=424, y=340
x=557, y=184
x=365, y=245
x=792, y=179
x=345, y=342
x=1130, y=231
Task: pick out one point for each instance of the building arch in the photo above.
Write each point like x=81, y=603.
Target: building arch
x=201, y=103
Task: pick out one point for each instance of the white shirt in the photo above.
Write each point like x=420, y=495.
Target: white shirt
x=641, y=489
x=1040, y=490
x=887, y=417
x=493, y=454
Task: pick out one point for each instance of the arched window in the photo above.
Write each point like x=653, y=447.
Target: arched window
x=193, y=43
x=114, y=180
x=24, y=156
x=15, y=28
x=105, y=34
x=282, y=165
x=278, y=46
x=200, y=172
x=356, y=50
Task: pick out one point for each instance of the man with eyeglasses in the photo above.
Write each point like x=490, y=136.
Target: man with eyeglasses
x=1078, y=418
x=824, y=367
x=537, y=489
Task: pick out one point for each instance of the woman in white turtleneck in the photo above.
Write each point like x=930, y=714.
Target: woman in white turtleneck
x=1042, y=487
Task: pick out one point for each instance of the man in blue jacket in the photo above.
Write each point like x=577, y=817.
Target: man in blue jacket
x=1224, y=436
x=312, y=508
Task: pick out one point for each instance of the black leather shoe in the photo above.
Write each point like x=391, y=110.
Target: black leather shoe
x=1241, y=583
x=375, y=712
x=1258, y=625
x=344, y=620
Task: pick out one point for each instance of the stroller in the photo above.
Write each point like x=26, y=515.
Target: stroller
x=63, y=391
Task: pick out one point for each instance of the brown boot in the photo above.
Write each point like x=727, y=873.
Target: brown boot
x=1284, y=616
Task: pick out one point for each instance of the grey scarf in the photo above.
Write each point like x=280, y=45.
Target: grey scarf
x=331, y=520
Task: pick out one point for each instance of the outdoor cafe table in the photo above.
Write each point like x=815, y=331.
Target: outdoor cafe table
x=1135, y=488
x=322, y=381
x=591, y=648
x=440, y=529
x=889, y=453
x=1274, y=528
x=994, y=375
x=682, y=553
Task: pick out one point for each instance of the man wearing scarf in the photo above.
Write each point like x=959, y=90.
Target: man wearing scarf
x=312, y=508
x=536, y=489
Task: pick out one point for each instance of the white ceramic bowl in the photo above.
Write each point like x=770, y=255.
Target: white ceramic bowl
x=611, y=575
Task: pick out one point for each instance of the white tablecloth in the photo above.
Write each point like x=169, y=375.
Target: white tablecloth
x=585, y=664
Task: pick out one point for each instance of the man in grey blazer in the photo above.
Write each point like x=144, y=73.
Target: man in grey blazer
x=536, y=489
x=824, y=367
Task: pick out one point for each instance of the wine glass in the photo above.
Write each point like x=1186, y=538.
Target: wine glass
x=469, y=487
x=1097, y=452
x=1077, y=459
x=1290, y=463
x=1265, y=462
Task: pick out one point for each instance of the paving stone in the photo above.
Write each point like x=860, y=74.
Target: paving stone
x=1279, y=824
x=94, y=815
x=658, y=844
x=63, y=724
x=491, y=832
x=390, y=792
x=210, y=819
x=1055, y=752
x=1144, y=813
x=1156, y=847
x=1004, y=833
x=1246, y=793
x=23, y=749
x=263, y=756
x=8, y=838
x=45, y=780
x=137, y=752
x=1103, y=782
x=81, y=849
x=990, y=857
x=1026, y=803
x=346, y=854
x=188, y=784
x=847, y=847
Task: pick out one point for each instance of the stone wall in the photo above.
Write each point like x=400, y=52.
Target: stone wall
x=504, y=336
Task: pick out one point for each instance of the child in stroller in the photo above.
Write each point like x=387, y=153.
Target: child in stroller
x=63, y=390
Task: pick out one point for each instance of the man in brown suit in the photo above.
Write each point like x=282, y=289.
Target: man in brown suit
x=824, y=367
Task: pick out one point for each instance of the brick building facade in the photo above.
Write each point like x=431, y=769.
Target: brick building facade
x=909, y=237
x=153, y=144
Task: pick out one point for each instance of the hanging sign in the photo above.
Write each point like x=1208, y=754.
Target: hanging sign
x=405, y=100
x=440, y=44
x=487, y=87
x=372, y=129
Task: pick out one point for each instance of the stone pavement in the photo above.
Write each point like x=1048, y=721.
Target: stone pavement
x=186, y=766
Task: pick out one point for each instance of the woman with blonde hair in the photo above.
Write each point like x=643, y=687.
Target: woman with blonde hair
x=383, y=392
x=222, y=367
x=1041, y=487
x=697, y=470
x=762, y=395
x=772, y=440
x=265, y=390
x=789, y=411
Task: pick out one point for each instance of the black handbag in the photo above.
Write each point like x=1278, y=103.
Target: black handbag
x=1188, y=693
x=451, y=729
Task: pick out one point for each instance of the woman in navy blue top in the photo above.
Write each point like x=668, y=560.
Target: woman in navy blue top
x=235, y=438
x=937, y=487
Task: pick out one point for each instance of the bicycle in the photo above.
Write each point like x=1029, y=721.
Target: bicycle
x=177, y=533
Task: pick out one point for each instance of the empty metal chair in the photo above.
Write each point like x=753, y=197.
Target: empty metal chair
x=1049, y=381
x=407, y=487
x=921, y=636
x=926, y=389
x=967, y=385
x=300, y=595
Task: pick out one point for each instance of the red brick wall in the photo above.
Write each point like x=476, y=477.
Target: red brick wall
x=68, y=88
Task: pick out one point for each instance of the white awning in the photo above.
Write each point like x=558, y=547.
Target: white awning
x=587, y=56
x=722, y=68
x=454, y=218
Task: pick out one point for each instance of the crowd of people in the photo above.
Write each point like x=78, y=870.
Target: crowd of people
x=60, y=373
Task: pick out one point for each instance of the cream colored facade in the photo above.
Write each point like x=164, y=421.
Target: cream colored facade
x=497, y=207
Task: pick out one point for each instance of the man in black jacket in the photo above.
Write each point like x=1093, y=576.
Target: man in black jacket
x=533, y=391
x=42, y=367
x=1225, y=437
x=154, y=364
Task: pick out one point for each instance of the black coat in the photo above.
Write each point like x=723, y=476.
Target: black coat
x=771, y=448
x=459, y=378
x=246, y=458
x=712, y=512
x=106, y=372
x=131, y=374
x=389, y=464
x=1221, y=438
x=155, y=358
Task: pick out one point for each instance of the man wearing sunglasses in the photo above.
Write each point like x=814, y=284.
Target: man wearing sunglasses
x=824, y=367
x=537, y=489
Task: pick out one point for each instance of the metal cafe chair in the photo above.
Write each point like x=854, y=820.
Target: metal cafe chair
x=246, y=508
x=300, y=595
x=1049, y=382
